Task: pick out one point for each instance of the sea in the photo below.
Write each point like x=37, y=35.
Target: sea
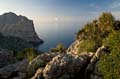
x=55, y=33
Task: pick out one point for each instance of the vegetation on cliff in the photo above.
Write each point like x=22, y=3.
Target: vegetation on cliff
x=27, y=53
x=109, y=63
x=59, y=48
x=93, y=33
x=104, y=31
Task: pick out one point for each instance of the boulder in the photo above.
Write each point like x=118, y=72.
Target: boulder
x=67, y=66
x=38, y=74
x=73, y=48
x=46, y=57
x=40, y=62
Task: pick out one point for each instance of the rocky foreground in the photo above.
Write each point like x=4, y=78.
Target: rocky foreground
x=52, y=66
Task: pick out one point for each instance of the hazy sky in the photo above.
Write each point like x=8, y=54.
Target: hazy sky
x=43, y=11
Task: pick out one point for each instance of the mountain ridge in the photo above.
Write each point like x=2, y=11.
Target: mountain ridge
x=20, y=26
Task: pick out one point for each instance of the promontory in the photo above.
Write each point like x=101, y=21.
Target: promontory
x=18, y=26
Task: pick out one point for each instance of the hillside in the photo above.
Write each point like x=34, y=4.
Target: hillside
x=104, y=31
x=95, y=54
x=13, y=43
x=18, y=26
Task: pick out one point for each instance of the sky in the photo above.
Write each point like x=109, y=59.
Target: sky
x=49, y=11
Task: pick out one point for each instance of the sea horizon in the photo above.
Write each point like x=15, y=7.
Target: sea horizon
x=53, y=34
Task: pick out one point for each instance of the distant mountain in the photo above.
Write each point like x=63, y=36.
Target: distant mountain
x=18, y=26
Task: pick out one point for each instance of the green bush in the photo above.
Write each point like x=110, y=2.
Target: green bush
x=97, y=28
x=92, y=34
x=28, y=53
x=59, y=48
x=86, y=46
x=104, y=31
x=109, y=63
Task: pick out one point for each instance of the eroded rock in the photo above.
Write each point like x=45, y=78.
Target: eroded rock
x=38, y=74
x=67, y=67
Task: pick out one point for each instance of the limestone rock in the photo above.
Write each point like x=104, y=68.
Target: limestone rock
x=40, y=61
x=91, y=69
x=38, y=74
x=46, y=57
x=56, y=66
x=73, y=48
x=18, y=26
x=67, y=67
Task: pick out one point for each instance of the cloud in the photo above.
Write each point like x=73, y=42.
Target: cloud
x=115, y=4
x=116, y=14
x=93, y=5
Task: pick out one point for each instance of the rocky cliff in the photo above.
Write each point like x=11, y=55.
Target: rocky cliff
x=82, y=60
x=56, y=66
x=18, y=26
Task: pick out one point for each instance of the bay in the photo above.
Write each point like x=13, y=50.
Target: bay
x=52, y=34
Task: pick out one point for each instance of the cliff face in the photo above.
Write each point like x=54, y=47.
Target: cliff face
x=18, y=26
x=54, y=66
x=73, y=48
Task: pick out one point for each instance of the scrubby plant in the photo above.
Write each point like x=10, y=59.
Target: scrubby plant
x=86, y=46
x=92, y=34
x=109, y=63
x=28, y=53
x=103, y=31
x=59, y=48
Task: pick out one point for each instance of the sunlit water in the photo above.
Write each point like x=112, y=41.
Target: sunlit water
x=52, y=34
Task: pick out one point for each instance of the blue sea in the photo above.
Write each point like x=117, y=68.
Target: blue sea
x=52, y=34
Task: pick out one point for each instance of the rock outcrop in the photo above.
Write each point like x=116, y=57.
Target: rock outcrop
x=91, y=70
x=6, y=57
x=67, y=67
x=25, y=69
x=55, y=66
x=18, y=26
x=46, y=57
x=73, y=48
x=40, y=62
x=38, y=74
x=14, y=71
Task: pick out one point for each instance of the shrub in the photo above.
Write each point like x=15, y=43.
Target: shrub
x=92, y=34
x=59, y=48
x=28, y=53
x=86, y=46
x=109, y=63
x=104, y=31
